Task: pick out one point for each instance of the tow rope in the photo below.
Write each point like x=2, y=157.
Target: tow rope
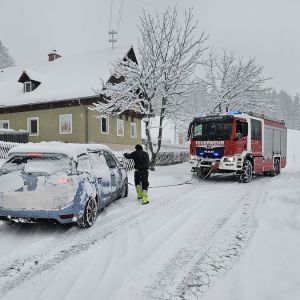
x=167, y=185
x=181, y=183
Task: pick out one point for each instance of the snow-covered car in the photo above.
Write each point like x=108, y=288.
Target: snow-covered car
x=66, y=183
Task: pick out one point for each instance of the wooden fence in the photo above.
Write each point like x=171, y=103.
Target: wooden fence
x=5, y=147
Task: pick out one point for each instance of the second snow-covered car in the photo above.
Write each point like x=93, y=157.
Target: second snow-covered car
x=66, y=183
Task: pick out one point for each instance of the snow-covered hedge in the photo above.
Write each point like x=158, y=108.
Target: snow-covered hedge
x=172, y=157
x=164, y=158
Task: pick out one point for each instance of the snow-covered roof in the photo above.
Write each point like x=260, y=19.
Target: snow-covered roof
x=34, y=75
x=69, y=149
x=68, y=77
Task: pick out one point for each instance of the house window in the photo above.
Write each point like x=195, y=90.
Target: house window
x=4, y=124
x=120, y=127
x=133, y=130
x=27, y=86
x=104, y=125
x=65, y=124
x=33, y=126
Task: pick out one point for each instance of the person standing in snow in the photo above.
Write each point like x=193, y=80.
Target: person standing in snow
x=141, y=166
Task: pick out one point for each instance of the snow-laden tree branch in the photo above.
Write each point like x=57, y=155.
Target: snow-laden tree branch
x=233, y=83
x=168, y=56
x=5, y=59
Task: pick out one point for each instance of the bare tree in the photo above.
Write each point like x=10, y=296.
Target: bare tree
x=233, y=83
x=5, y=59
x=169, y=54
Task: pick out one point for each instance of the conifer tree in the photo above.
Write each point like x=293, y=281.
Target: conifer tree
x=5, y=59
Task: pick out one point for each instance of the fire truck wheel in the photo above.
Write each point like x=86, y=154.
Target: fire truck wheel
x=204, y=172
x=246, y=176
x=277, y=167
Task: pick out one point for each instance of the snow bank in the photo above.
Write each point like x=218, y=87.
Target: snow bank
x=293, y=153
x=269, y=269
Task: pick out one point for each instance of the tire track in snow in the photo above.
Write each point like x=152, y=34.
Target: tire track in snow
x=209, y=255
x=224, y=250
x=155, y=235
x=18, y=270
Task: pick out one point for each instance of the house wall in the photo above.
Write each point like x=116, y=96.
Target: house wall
x=49, y=126
x=96, y=136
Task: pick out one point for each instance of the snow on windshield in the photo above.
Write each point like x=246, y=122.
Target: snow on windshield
x=10, y=182
x=44, y=164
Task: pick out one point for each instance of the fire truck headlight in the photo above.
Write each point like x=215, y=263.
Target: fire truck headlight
x=193, y=157
x=229, y=159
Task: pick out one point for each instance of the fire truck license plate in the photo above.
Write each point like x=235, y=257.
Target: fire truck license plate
x=209, y=143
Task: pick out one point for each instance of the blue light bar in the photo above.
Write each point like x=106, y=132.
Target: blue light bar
x=233, y=113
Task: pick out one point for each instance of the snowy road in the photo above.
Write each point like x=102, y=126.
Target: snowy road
x=177, y=247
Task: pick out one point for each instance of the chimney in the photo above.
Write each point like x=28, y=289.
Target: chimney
x=53, y=55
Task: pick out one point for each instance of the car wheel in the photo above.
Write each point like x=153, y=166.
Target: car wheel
x=124, y=191
x=90, y=214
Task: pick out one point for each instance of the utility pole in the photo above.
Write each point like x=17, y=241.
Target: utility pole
x=112, y=38
x=113, y=33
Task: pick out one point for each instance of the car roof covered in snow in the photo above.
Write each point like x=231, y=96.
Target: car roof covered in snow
x=68, y=77
x=69, y=149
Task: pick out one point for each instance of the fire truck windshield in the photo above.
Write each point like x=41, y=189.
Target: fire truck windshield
x=209, y=131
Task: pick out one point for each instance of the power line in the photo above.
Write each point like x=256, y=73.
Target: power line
x=111, y=10
x=113, y=31
x=120, y=14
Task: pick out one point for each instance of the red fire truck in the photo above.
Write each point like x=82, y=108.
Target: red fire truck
x=240, y=143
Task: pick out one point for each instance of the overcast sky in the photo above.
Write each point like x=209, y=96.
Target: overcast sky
x=266, y=29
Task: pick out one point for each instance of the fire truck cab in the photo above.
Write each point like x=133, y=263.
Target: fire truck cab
x=240, y=143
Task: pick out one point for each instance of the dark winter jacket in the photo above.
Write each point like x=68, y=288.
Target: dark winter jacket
x=140, y=158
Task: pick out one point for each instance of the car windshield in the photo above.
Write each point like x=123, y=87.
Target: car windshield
x=43, y=164
x=212, y=131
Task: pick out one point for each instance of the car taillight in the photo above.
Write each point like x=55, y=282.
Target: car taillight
x=35, y=154
x=63, y=180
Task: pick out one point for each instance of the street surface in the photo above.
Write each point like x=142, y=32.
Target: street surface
x=180, y=246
